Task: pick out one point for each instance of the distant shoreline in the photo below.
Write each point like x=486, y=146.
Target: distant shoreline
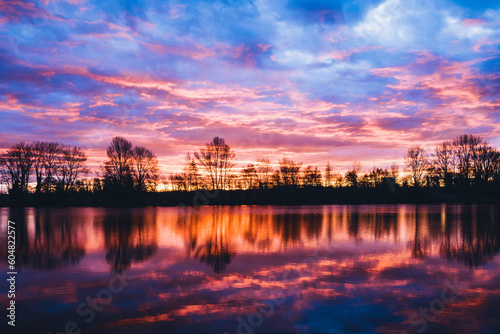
x=274, y=196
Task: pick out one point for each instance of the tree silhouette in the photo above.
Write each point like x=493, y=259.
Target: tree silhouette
x=39, y=149
x=289, y=172
x=394, y=171
x=416, y=163
x=217, y=158
x=468, y=160
x=466, y=150
x=46, y=160
x=445, y=162
x=52, y=152
x=375, y=178
x=71, y=165
x=145, y=171
x=352, y=175
x=328, y=175
x=312, y=176
x=192, y=176
x=18, y=162
x=118, y=168
x=488, y=159
x=178, y=181
x=264, y=172
x=249, y=175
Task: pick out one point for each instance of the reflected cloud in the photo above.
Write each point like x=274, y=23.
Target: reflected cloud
x=202, y=268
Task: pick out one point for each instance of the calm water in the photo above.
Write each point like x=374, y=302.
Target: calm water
x=318, y=269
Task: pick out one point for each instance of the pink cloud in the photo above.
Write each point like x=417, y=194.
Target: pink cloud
x=473, y=22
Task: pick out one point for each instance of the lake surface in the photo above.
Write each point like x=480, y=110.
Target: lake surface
x=256, y=269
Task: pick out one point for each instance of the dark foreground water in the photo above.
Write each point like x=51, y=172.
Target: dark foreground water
x=322, y=269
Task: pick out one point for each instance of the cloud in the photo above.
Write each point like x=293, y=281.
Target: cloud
x=314, y=80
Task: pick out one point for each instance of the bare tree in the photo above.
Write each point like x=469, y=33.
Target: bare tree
x=312, y=176
x=395, y=172
x=178, y=182
x=70, y=168
x=416, y=163
x=496, y=169
x=118, y=169
x=351, y=176
x=264, y=171
x=46, y=159
x=52, y=151
x=189, y=179
x=18, y=162
x=488, y=158
x=376, y=177
x=445, y=162
x=218, y=159
x=192, y=175
x=328, y=175
x=276, y=178
x=38, y=163
x=289, y=172
x=249, y=175
x=466, y=150
x=145, y=169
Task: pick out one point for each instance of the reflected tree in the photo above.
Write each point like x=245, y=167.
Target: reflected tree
x=418, y=245
x=480, y=242
x=215, y=251
x=289, y=228
x=55, y=243
x=129, y=238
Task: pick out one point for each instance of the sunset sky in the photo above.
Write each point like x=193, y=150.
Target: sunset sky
x=312, y=80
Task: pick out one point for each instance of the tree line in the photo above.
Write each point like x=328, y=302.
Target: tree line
x=464, y=161
x=53, y=167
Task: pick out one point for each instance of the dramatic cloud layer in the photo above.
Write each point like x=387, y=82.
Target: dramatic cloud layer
x=317, y=80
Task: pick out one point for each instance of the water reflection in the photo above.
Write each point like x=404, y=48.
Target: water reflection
x=214, y=249
x=344, y=269
x=53, y=242
x=51, y=239
x=419, y=245
x=479, y=241
x=129, y=237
